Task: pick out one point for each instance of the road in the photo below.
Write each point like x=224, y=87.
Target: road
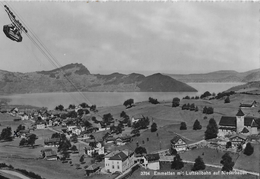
x=14, y=173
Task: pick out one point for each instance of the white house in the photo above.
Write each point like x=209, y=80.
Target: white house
x=178, y=143
x=40, y=126
x=119, y=161
x=99, y=149
x=151, y=161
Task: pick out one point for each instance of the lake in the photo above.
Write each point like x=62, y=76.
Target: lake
x=51, y=100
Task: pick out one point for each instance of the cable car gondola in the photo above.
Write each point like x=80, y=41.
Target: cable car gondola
x=13, y=31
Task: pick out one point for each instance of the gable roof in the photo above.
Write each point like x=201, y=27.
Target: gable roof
x=245, y=130
x=176, y=139
x=249, y=120
x=93, y=167
x=228, y=121
x=240, y=113
x=239, y=136
x=152, y=157
x=253, y=124
x=119, y=156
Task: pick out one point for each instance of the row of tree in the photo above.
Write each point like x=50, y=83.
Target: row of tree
x=190, y=107
x=196, y=125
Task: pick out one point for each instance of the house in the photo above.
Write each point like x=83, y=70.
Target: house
x=53, y=142
x=246, y=105
x=178, y=143
x=110, y=139
x=237, y=140
x=24, y=133
x=136, y=118
x=40, y=126
x=99, y=149
x=49, y=154
x=119, y=161
x=231, y=125
x=123, y=140
x=151, y=161
x=92, y=169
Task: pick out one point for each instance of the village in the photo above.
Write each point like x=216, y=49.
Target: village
x=102, y=144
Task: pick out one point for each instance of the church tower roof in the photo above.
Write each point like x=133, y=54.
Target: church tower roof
x=253, y=124
x=240, y=112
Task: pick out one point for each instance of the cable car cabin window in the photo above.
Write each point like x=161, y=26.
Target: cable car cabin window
x=12, y=33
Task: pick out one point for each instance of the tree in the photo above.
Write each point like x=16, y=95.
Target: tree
x=72, y=114
x=140, y=150
x=20, y=127
x=249, y=150
x=59, y=108
x=31, y=139
x=228, y=144
x=74, y=148
x=196, y=108
x=23, y=142
x=93, y=108
x=176, y=102
x=6, y=134
x=55, y=135
x=122, y=114
x=196, y=125
x=107, y=118
x=64, y=145
x=72, y=106
x=141, y=123
x=183, y=126
x=212, y=129
x=204, y=95
x=177, y=162
x=227, y=163
x=84, y=105
x=227, y=100
x=154, y=127
x=153, y=101
x=128, y=103
x=199, y=164
x=172, y=151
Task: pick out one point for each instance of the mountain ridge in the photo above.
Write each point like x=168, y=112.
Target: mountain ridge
x=219, y=76
x=76, y=77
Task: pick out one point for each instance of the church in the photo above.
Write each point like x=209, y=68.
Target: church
x=239, y=124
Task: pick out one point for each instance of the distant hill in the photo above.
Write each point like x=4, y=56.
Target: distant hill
x=219, y=76
x=250, y=87
x=76, y=76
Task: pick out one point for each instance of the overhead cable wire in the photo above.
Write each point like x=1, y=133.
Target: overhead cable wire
x=44, y=50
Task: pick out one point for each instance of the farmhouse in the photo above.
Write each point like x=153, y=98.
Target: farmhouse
x=237, y=140
x=178, y=143
x=92, y=169
x=49, y=154
x=151, y=161
x=231, y=125
x=245, y=105
x=53, y=142
x=119, y=161
x=99, y=149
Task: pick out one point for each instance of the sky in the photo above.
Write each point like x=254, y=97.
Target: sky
x=135, y=37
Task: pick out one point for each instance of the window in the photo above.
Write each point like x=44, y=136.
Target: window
x=113, y=166
x=118, y=167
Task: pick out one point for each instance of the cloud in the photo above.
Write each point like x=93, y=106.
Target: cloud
x=141, y=37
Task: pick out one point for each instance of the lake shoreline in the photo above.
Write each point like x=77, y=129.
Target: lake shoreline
x=104, y=99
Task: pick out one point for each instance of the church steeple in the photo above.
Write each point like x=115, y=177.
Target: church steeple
x=240, y=120
x=240, y=113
